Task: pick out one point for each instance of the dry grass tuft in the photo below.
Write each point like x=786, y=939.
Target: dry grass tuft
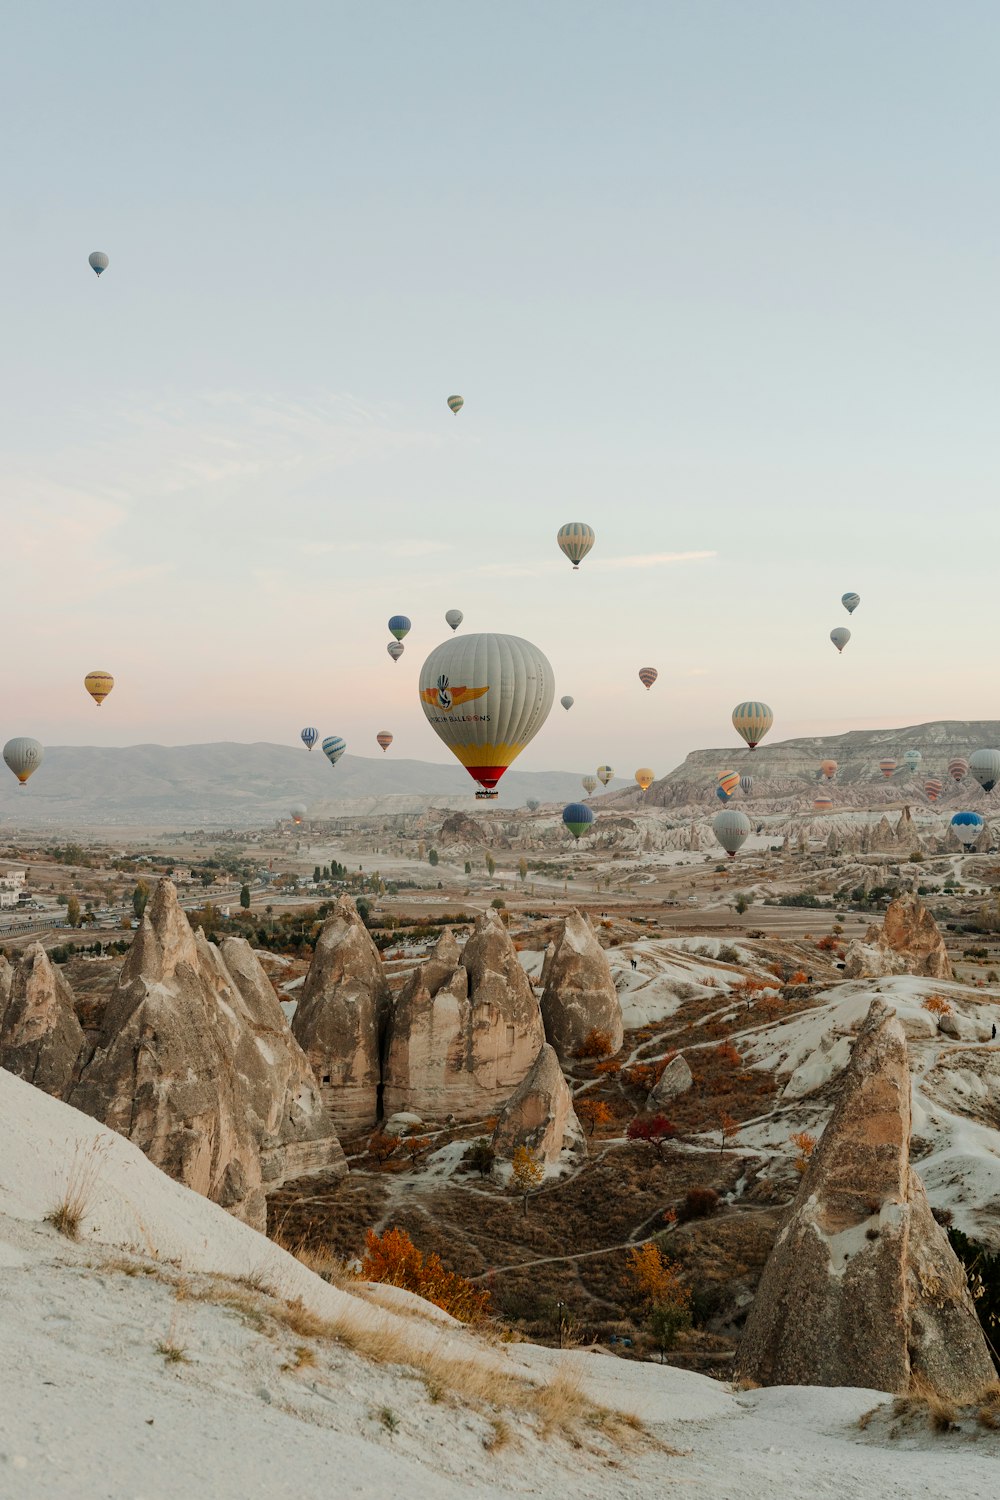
x=303, y=1357
x=73, y=1207
x=174, y=1354
x=923, y=1401
x=866, y=1416
x=499, y=1435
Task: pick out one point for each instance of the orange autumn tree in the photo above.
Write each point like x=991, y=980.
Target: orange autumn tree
x=394, y=1259
x=593, y=1112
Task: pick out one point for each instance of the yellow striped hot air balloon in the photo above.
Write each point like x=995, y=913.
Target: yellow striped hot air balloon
x=384, y=739
x=729, y=781
x=575, y=541
x=98, y=685
x=752, y=720
x=645, y=777
x=647, y=676
x=887, y=767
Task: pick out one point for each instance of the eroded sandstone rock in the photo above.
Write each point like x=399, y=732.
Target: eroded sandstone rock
x=539, y=1116
x=340, y=1016
x=40, y=1036
x=862, y=1287
x=579, y=995
x=908, y=942
x=675, y=1079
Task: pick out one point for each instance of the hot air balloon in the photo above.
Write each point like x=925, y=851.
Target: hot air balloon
x=395, y=649
x=575, y=541
x=967, y=826
x=605, y=774
x=486, y=696
x=297, y=813
x=309, y=737
x=822, y=802
x=888, y=768
x=645, y=777
x=722, y=794
x=383, y=738
x=454, y=618
x=829, y=768
x=958, y=768
x=746, y=785
x=647, y=676
x=97, y=261
x=985, y=767
x=589, y=784
x=840, y=637
x=333, y=748
x=578, y=817
x=732, y=829
x=752, y=720
x=729, y=781
x=912, y=759
x=567, y=702
x=532, y=804
x=933, y=789
x=98, y=685
x=456, y=403
x=23, y=756
x=399, y=626
x=850, y=602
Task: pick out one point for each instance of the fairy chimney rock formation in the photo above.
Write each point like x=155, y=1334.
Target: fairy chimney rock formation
x=340, y=1016
x=539, y=1115
x=40, y=1036
x=461, y=1039
x=907, y=942
x=862, y=1287
x=579, y=995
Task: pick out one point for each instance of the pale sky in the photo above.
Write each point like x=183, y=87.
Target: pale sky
x=719, y=279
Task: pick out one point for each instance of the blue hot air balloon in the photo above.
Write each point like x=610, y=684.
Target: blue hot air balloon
x=722, y=794
x=967, y=826
x=578, y=817
x=850, y=602
x=309, y=737
x=399, y=626
x=333, y=748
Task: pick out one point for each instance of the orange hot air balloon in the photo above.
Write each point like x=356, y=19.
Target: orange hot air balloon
x=383, y=738
x=98, y=685
x=888, y=768
x=729, y=781
x=647, y=676
x=933, y=788
x=645, y=777
x=829, y=768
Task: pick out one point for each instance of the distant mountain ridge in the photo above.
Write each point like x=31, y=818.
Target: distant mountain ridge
x=234, y=785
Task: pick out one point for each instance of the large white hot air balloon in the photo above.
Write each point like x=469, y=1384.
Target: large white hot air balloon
x=23, y=755
x=486, y=697
x=732, y=829
x=97, y=261
x=840, y=637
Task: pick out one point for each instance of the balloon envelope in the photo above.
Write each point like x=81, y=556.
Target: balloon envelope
x=850, y=602
x=395, y=649
x=589, y=784
x=746, y=785
x=752, y=720
x=567, y=702
x=829, y=768
x=456, y=403
x=97, y=261
x=933, y=789
x=98, y=685
x=985, y=767
x=822, y=802
x=967, y=826
x=647, y=676
x=645, y=777
x=578, y=817
x=399, y=626
x=309, y=736
x=732, y=829
x=840, y=637
x=912, y=759
x=454, y=618
x=729, y=781
x=605, y=774
x=575, y=541
x=383, y=738
x=958, y=768
x=486, y=697
x=23, y=756
x=722, y=794
x=887, y=767
x=333, y=748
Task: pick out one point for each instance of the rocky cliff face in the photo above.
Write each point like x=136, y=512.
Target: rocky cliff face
x=908, y=942
x=40, y=1036
x=340, y=1016
x=208, y=1083
x=579, y=995
x=862, y=1287
x=540, y=1117
x=462, y=1038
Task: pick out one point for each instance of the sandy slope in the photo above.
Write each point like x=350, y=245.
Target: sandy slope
x=94, y=1411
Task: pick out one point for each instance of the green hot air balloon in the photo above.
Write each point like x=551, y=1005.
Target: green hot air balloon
x=455, y=403
x=575, y=540
x=578, y=817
